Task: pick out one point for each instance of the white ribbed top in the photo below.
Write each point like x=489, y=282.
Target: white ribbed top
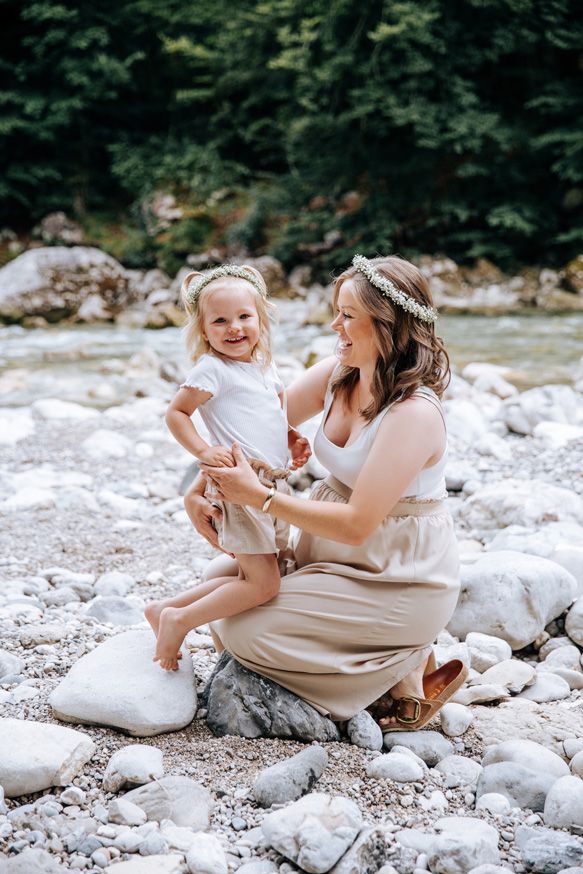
x=244, y=407
x=345, y=462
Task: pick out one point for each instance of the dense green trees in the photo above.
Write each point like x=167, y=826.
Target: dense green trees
x=429, y=125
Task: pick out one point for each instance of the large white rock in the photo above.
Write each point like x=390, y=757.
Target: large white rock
x=459, y=771
x=547, y=686
x=556, y=435
x=114, y=583
x=15, y=425
x=561, y=542
x=465, y=420
x=133, y=766
x=118, y=684
x=206, y=855
x=315, y=831
x=116, y=610
x=486, y=650
x=180, y=799
x=455, y=719
x=548, y=403
x=431, y=746
x=106, y=444
x=528, y=503
x=574, y=622
x=564, y=804
x=397, y=766
x=510, y=595
x=54, y=408
x=529, y=754
x=513, y=674
x=462, y=844
x=37, y=755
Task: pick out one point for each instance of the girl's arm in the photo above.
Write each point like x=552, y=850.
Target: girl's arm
x=178, y=419
x=409, y=437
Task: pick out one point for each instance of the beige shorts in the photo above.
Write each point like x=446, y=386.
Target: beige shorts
x=244, y=530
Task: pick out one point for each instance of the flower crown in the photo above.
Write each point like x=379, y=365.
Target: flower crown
x=390, y=290
x=196, y=285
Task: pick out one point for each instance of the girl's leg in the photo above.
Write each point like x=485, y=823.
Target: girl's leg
x=232, y=596
x=154, y=608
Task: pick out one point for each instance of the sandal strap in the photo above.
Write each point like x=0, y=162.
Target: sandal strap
x=419, y=704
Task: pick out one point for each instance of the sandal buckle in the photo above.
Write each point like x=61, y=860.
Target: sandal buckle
x=409, y=720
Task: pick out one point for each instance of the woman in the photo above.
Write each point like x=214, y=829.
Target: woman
x=376, y=566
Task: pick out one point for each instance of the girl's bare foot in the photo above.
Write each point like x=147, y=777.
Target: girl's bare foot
x=152, y=613
x=171, y=633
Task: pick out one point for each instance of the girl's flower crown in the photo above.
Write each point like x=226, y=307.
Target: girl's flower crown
x=390, y=290
x=197, y=284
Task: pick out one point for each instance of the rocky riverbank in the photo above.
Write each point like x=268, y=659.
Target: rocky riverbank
x=92, y=525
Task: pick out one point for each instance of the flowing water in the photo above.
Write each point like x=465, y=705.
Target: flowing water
x=70, y=362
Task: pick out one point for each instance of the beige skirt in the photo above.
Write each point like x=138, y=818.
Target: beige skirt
x=351, y=621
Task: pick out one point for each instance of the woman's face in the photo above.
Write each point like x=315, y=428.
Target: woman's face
x=357, y=345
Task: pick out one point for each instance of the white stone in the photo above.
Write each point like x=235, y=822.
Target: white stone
x=564, y=657
x=557, y=435
x=463, y=843
x=170, y=864
x=459, y=771
x=492, y=444
x=206, y=855
x=116, y=610
x=106, y=444
x=487, y=650
x=133, y=766
x=55, y=409
x=124, y=812
x=364, y=732
x=455, y=719
x=430, y=746
x=576, y=764
x=548, y=403
x=564, y=804
x=481, y=693
x=574, y=622
x=29, y=498
x=493, y=803
x=118, y=684
x=180, y=799
x=37, y=755
x=513, y=674
x=114, y=583
x=9, y=664
x=520, y=502
x=465, y=420
x=547, y=686
x=15, y=425
x=396, y=766
x=529, y=754
x=510, y=595
x=315, y=831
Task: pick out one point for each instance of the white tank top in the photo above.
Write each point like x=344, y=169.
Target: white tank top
x=345, y=462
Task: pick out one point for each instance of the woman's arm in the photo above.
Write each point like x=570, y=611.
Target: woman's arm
x=305, y=396
x=409, y=436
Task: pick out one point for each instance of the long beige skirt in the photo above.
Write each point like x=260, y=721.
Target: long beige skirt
x=351, y=621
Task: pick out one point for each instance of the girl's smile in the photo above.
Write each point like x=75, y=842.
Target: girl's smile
x=231, y=321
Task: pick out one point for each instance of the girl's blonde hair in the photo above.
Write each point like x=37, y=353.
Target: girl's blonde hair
x=409, y=352
x=196, y=343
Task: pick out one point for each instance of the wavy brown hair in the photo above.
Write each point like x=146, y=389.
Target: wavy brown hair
x=410, y=354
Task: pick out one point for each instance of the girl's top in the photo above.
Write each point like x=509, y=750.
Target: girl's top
x=346, y=462
x=244, y=407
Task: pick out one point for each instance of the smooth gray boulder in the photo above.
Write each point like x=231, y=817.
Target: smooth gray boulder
x=133, y=766
x=529, y=754
x=289, y=780
x=118, y=684
x=180, y=799
x=364, y=732
x=547, y=851
x=116, y=610
x=462, y=843
x=243, y=703
x=564, y=804
x=510, y=595
x=522, y=786
x=431, y=746
x=37, y=755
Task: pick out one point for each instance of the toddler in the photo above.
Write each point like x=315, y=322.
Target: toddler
x=240, y=397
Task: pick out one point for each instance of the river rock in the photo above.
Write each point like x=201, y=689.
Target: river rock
x=365, y=856
x=114, y=583
x=564, y=804
x=54, y=281
x=133, y=766
x=243, y=703
x=455, y=719
x=206, y=855
x=522, y=786
x=315, y=831
x=548, y=851
x=116, y=610
x=529, y=754
x=431, y=746
x=481, y=693
x=493, y=802
x=364, y=732
x=103, y=444
x=398, y=766
x=9, y=664
x=510, y=595
x=574, y=622
x=37, y=755
x=124, y=812
x=289, y=780
x=512, y=674
x=118, y=684
x=459, y=771
x=561, y=542
x=563, y=657
x=547, y=686
x=548, y=403
x=54, y=409
x=32, y=860
x=462, y=843
x=15, y=425
x=546, y=724
x=487, y=650
x=529, y=503
x=170, y=864
x=180, y=799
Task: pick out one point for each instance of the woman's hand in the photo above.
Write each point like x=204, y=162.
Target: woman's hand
x=239, y=484
x=201, y=513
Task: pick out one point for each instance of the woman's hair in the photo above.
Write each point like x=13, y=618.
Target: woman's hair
x=409, y=353
x=197, y=345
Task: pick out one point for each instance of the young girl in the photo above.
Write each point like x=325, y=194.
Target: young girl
x=240, y=397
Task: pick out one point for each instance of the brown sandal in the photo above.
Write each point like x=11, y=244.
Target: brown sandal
x=439, y=686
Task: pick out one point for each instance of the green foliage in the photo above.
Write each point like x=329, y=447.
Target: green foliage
x=456, y=121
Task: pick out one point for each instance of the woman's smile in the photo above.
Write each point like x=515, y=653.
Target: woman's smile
x=356, y=346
